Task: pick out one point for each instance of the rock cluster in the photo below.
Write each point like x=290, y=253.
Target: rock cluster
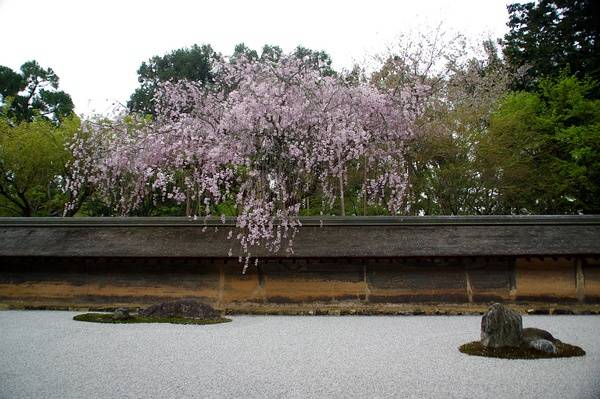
x=182, y=308
x=539, y=339
x=502, y=327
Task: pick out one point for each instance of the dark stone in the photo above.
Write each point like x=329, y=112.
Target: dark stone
x=533, y=334
x=121, y=314
x=182, y=308
x=501, y=327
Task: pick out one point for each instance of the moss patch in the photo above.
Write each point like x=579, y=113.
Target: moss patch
x=107, y=318
x=524, y=352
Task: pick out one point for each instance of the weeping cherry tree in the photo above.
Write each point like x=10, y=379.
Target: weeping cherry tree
x=262, y=136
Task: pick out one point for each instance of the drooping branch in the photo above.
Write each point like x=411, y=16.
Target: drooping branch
x=268, y=142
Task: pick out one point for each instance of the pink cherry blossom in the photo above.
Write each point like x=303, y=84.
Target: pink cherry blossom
x=263, y=135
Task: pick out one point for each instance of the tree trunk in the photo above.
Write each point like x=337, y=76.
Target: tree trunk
x=342, y=204
x=188, y=204
x=365, y=190
x=26, y=209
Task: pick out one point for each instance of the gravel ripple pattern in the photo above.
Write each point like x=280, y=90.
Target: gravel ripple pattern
x=46, y=354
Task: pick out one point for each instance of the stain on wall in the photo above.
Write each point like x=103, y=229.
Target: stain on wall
x=591, y=279
x=416, y=280
x=547, y=279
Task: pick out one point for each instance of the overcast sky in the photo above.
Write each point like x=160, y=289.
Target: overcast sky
x=96, y=46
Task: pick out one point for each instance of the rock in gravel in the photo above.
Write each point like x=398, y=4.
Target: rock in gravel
x=500, y=327
x=543, y=345
x=182, y=308
x=121, y=314
x=533, y=334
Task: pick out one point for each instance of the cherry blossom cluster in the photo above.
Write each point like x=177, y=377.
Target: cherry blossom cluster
x=264, y=135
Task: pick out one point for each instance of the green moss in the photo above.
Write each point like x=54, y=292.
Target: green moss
x=107, y=318
x=524, y=352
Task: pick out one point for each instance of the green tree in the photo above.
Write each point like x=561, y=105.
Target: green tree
x=195, y=63
x=241, y=50
x=32, y=93
x=551, y=35
x=10, y=83
x=33, y=158
x=545, y=148
x=271, y=53
x=320, y=60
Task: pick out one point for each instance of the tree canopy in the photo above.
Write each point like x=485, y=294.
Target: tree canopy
x=439, y=127
x=33, y=92
x=195, y=64
x=199, y=64
x=33, y=159
x=548, y=36
x=546, y=148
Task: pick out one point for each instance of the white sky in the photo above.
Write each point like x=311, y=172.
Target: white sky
x=96, y=46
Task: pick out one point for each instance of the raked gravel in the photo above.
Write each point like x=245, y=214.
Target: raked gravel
x=45, y=354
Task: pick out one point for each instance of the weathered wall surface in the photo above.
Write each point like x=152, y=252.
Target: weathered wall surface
x=367, y=261
x=110, y=282
x=356, y=237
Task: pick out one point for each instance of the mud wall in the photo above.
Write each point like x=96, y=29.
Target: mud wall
x=110, y=282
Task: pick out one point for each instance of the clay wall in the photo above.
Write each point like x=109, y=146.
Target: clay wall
x=112, y=282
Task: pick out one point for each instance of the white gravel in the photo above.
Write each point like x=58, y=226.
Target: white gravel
x=48, y=355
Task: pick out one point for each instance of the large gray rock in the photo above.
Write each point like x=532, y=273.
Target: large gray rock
x=543, y=345
x=182, y=308
x=500, y=327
